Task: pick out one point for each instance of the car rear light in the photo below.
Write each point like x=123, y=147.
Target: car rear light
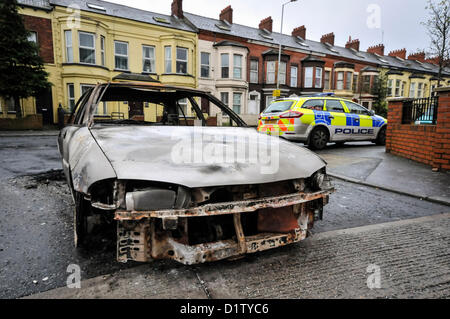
x=291, y=114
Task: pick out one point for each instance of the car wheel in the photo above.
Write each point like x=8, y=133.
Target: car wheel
x=80, y=221
x=381, y=138
x=318, y=139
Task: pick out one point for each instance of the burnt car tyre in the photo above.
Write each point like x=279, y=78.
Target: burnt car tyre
x=318, y=139
x=381, y=138
x=80, y=220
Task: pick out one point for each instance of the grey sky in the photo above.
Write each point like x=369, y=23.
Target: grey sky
x=400, y=19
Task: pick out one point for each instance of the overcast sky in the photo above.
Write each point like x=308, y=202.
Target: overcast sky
x=399, y=20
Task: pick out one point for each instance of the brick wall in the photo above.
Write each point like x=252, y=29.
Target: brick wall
x=429, y=144
x=43, y=28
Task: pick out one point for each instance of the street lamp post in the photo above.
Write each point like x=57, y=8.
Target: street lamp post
x=279, y=50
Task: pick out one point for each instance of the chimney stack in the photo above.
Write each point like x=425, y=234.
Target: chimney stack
x=227, y=15
x=177, y=8
x=328, y=38
x=398, y=53
x=376, y=49
x=419, y=56
x=352, y=44
x=266, y=24
x=299, y=32
x=433, y=60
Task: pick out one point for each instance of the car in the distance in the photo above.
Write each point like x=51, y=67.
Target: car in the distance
x=317, y=120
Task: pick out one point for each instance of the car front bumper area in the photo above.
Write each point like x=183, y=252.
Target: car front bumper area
x=219, y=230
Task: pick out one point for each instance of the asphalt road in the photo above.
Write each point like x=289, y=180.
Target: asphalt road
x=36, y=219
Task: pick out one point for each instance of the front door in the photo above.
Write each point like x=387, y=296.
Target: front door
x=136, y=110
x=44, y=106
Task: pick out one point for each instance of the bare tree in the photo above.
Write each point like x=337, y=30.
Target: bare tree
x=438, y=26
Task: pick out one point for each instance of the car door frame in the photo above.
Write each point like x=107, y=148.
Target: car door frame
x=338, y=121
x=364, y=121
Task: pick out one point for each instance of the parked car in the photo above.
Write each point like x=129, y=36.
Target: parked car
x=118, y=156
x=317, y=120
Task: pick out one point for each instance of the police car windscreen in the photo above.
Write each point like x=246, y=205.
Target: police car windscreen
x=279, y=106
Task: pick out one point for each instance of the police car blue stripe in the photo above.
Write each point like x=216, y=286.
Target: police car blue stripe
x=352, y=119
x=322, y=117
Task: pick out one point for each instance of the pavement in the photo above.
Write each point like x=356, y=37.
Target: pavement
x=368, y=164
x=50, y=132
x=411, y=257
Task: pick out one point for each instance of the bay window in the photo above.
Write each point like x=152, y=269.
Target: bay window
x=182, y=60
x=340, y=81
x=412, y=90
x=237, y=66
x=225, y=65
x=237, y=102
x=309, y=77
x=318, y=82
x=69, y=49
x=348, y=80
x=87, y=47
x=168, y=59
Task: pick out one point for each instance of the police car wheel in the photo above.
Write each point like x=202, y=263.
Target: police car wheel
x=381, y=138
x=318, y=139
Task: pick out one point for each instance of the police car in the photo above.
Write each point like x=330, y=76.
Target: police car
x=317, y=120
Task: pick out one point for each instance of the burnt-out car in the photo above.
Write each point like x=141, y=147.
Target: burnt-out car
x=148, y=161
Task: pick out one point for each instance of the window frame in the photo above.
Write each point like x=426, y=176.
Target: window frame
x=292, y=77
x=307, y=83
x=121, y=55
x=413, y=87
x=272, y=73
x=327, y=79
x=340, y=83
x=223, y=67
x=283, y=73
x=71, y=99
x=317, y=78
x=87, y=48
x=168, y=59
x=254, y=72
x=144, y=59
x=102, y=50
x=338, y=101
x=177, y=60
x=348, y=80
x=237, y=68
x=203, y=66
x=67, y=47
x=240, y=102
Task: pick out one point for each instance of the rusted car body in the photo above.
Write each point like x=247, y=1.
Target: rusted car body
x=122, y=173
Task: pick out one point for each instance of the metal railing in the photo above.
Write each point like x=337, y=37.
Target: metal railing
x=420, y=111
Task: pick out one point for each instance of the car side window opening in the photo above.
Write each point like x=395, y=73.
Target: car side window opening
x=356, y=109
x=316, y=105
x=140, y=106
x=334, y=106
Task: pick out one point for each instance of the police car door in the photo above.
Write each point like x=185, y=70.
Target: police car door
x=361, y=122
x=337, y=118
